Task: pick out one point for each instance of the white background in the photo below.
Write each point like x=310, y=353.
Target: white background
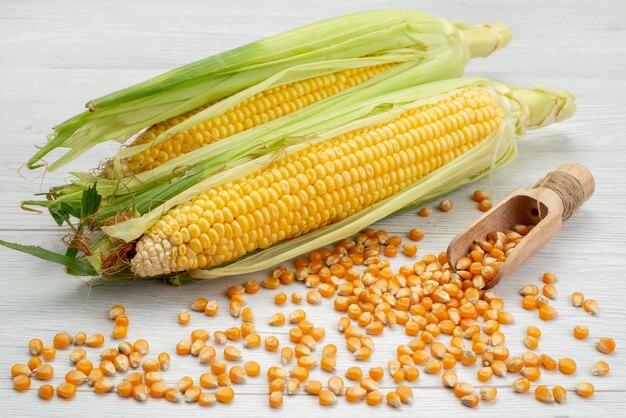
x=55, y=55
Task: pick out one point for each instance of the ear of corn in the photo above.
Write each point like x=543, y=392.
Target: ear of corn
x=261, y=108
x=344, y=179
x=443, y=54
x=321, y=183
x=330, y=46
x=352, y=164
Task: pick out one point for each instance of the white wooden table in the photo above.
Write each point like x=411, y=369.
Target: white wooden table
x=56, y=55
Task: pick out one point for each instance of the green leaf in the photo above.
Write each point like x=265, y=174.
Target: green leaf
x=78, y=266
x=62, y=212
x=90, y=202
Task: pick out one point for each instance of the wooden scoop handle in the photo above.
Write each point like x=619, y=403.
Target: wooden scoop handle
x=572, y=182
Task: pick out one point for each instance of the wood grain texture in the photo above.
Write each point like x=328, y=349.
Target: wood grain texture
x=54, y=56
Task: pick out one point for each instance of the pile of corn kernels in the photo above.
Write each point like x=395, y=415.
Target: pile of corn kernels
x=448, y=317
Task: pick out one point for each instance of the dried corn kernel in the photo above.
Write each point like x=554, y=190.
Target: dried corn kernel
x=327, y=398
x=44, y=372
x=601, y=368
x=336, y=385
x=531, y=342
x=416, y=234
x=548, y=362
x=21, y=382
x=449, y=378
x=46, y=392
x=591, y=306
x=62, y=340
x=393, y=400
x=581, y=332
x=275, y=399
x=605, y=345
x=484, y=205
x=567, y=365
x=547, y=313
x=35, y=346
x=544, y=394
x=578, y=299
x=584, y=389
x=488, y=393
x=521, y=385
x=559, y=393
x=48, y=352
x=424, y=212
x=66, y=390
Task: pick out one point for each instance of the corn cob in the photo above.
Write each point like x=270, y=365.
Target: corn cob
x=258, y=109
x=356, y=47
x=334, y=179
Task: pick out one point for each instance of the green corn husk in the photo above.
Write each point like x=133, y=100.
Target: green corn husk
x=424, y=47
x=121, y=114
x=526, y=109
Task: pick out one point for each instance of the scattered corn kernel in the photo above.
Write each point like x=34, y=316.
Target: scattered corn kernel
x=559, y=393
x=35, y=346
x=21, y=382
x=591, y=306
x=44, y=372
x=62, y=340
x=567, y=365
x=393, y=399
x=34, y=362
x=584, y=389
x=445, y=205
x=531, y=342
x=544, y=394
x=479, y=196
x=521, y=385
x=192, y=394
x=374, y=398
x=416, y=234
x=46, y=392
x=184, y=317
x=20, y=370
x=578, y=299
x=95, y=340
x=80, y=338
x=605, y=345
x=484, y=205
x=75, y=377
x=205, y=399
x=471, y=401
x=581, y=332
x=488, y=393
x=66, y=390
x=48, y=352
x=103, y=386
x=224, y=394
x=549, y=291
x=327, y=398
x=210, y=308
x=547, y=313
x=184, y=383
x=601, y=368
x=276, y=399
x=424, y=212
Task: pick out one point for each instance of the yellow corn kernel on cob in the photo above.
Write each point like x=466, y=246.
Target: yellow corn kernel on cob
x=257, y=110
x=316, y=186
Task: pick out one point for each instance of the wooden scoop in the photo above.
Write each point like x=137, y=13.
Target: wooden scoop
x=551, y=201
